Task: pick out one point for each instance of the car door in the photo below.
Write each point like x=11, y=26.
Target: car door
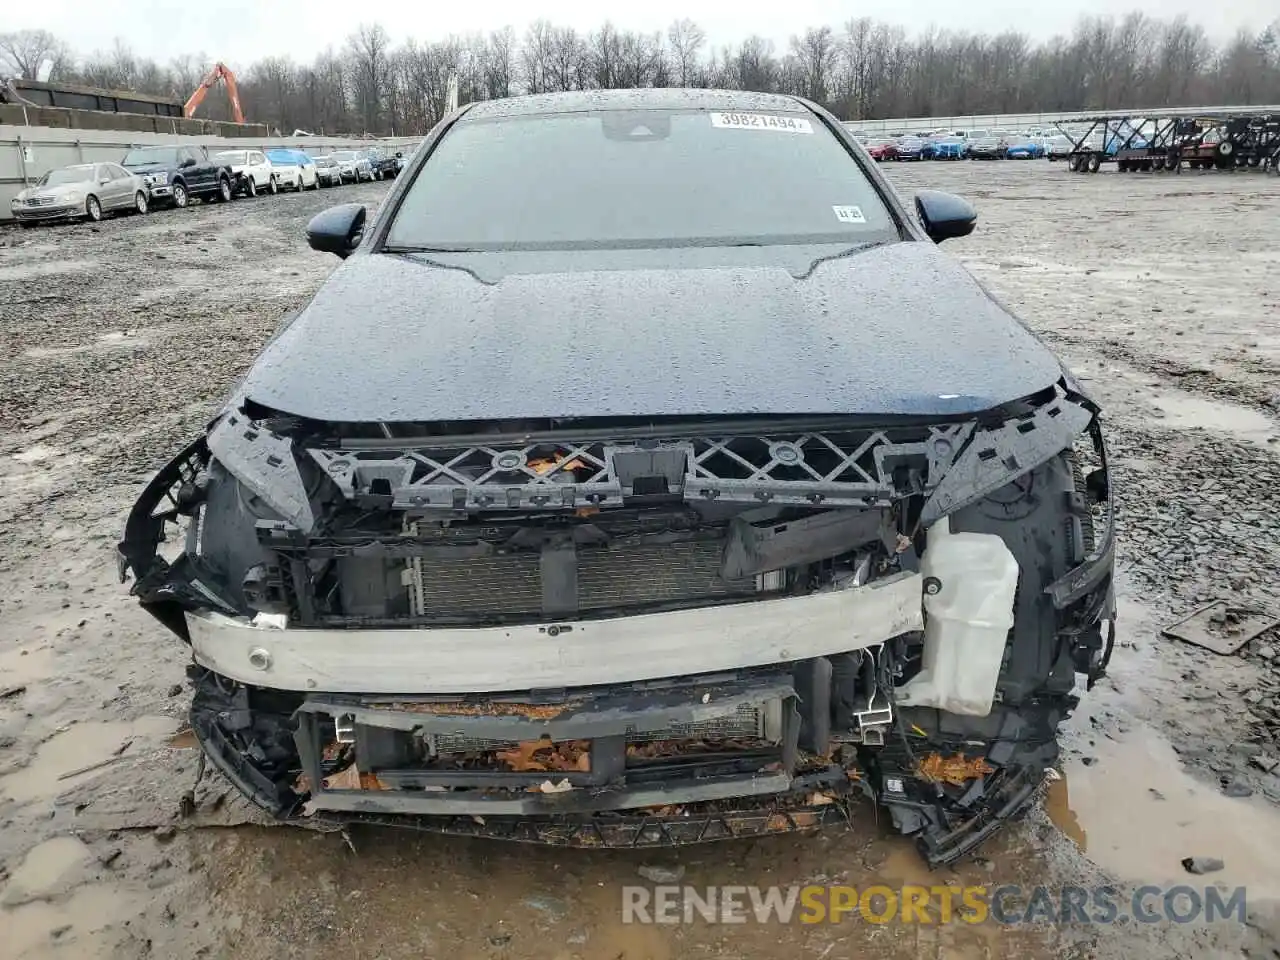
x=200, y=177
x=102, y=186
x=189, y=167
x=121, y=184
x=261, y=169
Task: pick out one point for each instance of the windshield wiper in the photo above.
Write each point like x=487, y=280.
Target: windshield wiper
x=405, y=248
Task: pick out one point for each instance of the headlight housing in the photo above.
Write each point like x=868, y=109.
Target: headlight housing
x=158, y=179
x=73, y=196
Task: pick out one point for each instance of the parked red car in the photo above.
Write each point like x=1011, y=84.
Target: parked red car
x=882, y=148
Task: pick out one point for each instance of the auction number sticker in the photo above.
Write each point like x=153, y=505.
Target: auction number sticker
x=761, y=121
x=849, y=214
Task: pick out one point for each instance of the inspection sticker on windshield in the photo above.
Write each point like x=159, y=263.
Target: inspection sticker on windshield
x=849, y=214
x=761, y=121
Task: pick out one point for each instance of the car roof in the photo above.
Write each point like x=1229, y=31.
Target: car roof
x=579, y=101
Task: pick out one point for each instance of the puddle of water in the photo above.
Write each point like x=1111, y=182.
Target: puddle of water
x=1184, y=410
x=184, y=740
x=1142, y=814
x=42, y=868
x=29, y=930
x=58, y=759
x=25, y=665
x=1057, y=804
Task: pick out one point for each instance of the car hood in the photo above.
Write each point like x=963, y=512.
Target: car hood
x=61, y=190
x=896, y=329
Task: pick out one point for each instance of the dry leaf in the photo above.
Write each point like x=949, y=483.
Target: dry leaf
x=564, y=786
x=954, y=770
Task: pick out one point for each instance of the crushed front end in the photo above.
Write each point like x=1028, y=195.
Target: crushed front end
x=631, y=633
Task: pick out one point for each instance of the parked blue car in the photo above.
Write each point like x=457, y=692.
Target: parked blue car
x=1024, y=150
x=910, y=148
x=948, y=148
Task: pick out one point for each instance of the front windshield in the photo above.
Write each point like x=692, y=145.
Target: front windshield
x=59, y=178
x=655, y=178
x=151, y=155
x=324, y=161
x=233, y=156
x=280, y=156
x=344, y=155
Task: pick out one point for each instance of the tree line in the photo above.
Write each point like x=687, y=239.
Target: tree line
x=862, y=69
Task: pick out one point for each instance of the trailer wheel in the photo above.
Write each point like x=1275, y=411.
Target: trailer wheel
x=1073, y=162
x=1123, y=164
x=1253, y=161
x=1157, y=163
x=1095, y=162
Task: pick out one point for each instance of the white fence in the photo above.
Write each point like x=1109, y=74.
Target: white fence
x=27, y=153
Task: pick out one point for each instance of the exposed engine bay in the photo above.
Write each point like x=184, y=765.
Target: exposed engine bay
x=631, y=633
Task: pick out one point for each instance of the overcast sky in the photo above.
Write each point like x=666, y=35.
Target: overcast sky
x=240, y=31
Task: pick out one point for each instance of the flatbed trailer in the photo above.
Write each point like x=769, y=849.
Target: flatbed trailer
x=1164, y=141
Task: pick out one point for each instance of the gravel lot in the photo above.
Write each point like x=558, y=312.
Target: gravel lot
x=119, y=340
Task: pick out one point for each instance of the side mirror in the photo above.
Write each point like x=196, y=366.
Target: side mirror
x=944, y=215
x=189, y=162
x=337, y=230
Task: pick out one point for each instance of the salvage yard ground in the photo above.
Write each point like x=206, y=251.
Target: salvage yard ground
x=118, y=340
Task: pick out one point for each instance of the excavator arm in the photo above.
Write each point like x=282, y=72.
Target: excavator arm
x=219, y=72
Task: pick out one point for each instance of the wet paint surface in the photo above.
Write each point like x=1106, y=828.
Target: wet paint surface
x=391, y=339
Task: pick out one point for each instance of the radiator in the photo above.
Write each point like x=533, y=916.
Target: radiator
x=608, y=577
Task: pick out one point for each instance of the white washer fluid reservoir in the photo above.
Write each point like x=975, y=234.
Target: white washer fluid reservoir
x=967, y=620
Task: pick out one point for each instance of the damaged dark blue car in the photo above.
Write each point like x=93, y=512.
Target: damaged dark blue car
x=645, y=474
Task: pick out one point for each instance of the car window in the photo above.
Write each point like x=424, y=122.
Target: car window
x=58, y=178
x=118, y=172
x=162, y=155
x=639, y=178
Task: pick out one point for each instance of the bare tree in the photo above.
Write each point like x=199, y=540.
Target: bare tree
x=535, y=57
x=500, y=63
x=686, y=39
x=368, y=49
x=604, y=49
x=815, y=55
x=23, y=51
x=569, y=68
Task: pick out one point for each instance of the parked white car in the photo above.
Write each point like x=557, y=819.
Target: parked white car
x=251, y=169
x=293, y=169
x=354, y=165
x=328, y=171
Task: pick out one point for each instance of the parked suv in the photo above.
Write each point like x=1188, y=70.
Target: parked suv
x=250, y=171
x=175, y=174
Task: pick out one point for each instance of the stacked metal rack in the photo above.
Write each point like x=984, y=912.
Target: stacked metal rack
x=1164, y=140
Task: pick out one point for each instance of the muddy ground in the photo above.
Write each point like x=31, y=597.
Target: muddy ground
x=119, y=340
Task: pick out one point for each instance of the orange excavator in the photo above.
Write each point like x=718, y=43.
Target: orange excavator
x=219, y=72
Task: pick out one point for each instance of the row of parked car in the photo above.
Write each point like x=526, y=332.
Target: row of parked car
x=967, y=145
x=147, y=177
